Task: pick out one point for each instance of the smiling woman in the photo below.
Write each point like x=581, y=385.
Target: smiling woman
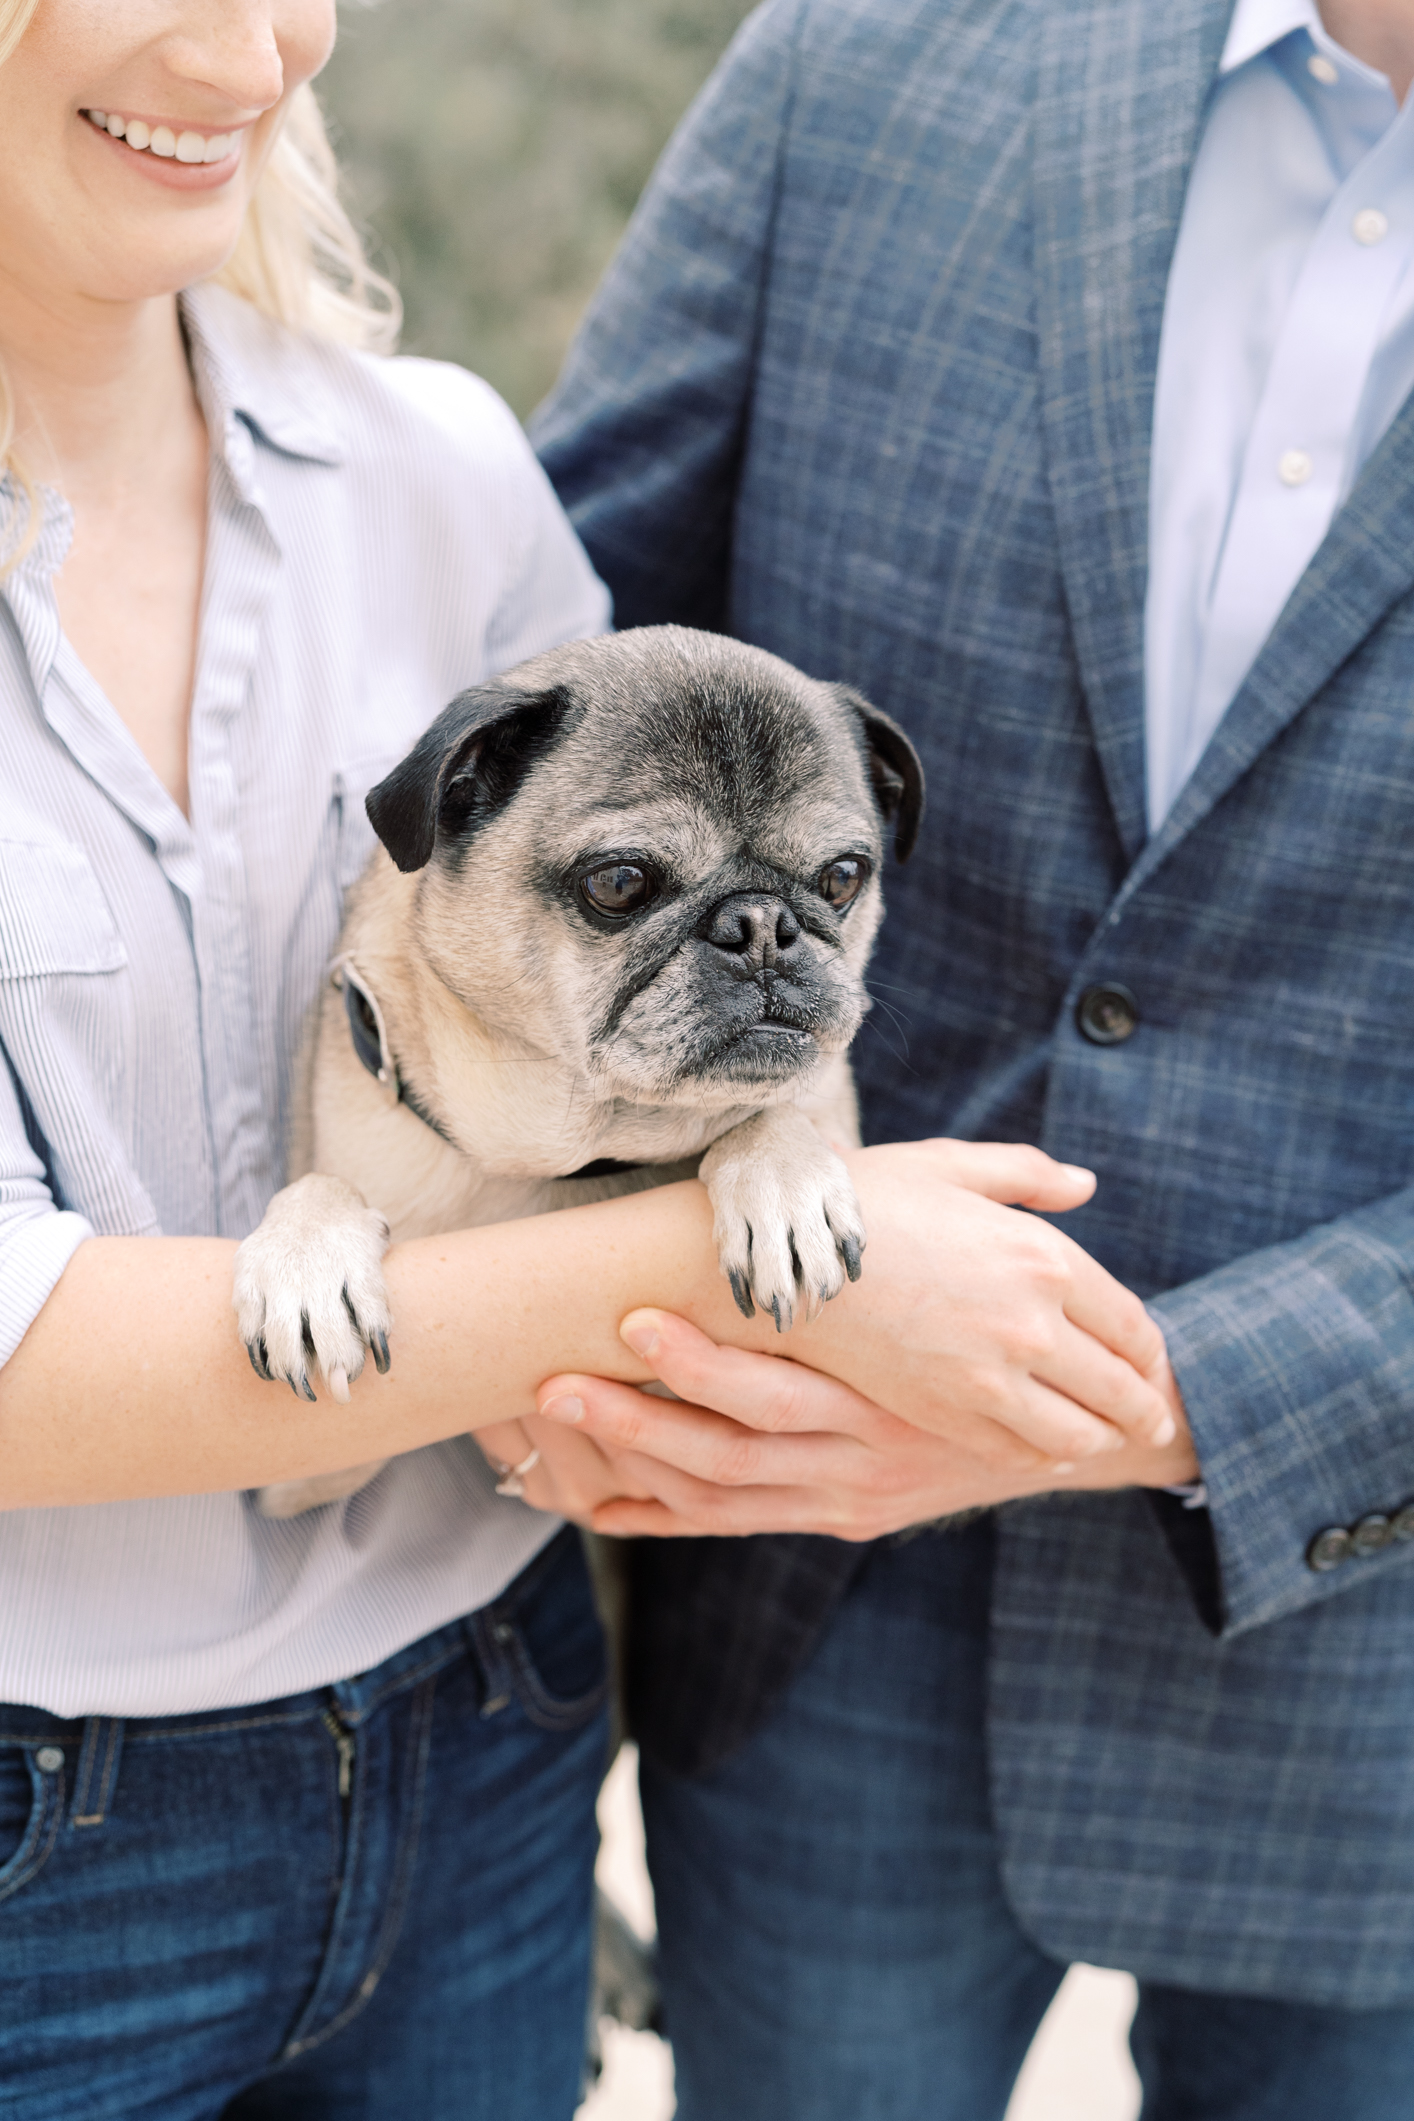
x=239, y=562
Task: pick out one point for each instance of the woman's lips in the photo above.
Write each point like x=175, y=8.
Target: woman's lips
x=181, y=158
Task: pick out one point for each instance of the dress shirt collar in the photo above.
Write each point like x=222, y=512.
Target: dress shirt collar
x=1258, y=24
x=251, y=369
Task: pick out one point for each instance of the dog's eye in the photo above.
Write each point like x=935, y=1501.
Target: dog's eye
x=842, y=881
x=619, y=887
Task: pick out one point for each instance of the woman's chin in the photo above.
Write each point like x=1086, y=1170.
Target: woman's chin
x=147, y=257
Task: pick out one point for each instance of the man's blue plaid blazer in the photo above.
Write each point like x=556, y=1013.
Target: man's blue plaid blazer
x=871, y=384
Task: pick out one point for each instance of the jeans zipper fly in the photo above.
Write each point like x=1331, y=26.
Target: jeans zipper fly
x=344, y=1745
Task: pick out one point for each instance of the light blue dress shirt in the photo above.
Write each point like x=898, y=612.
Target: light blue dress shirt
x=379, y=535
x=1287, y=350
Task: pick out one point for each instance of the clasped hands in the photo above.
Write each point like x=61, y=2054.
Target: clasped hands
x=984, y=1356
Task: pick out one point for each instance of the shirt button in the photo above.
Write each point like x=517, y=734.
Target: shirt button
x=1401, y=1525
x=1107, y=1015
x=1321, y=69
x=1329, y=1549
x=49, y=1759
x=1294, y=467
x=1372, y=1534
x=1369, y=226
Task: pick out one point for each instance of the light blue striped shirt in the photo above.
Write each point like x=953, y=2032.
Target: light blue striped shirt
x=379, y=536
x=1287, y=349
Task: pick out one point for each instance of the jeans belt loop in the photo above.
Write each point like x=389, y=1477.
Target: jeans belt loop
x=97, y=1771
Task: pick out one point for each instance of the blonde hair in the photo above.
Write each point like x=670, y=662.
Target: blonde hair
x=298, y=259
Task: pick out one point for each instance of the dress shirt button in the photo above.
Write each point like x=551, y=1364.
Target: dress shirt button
x=1401, y=1525
x=1329, y=1549
x=49, y=1759
x=1369, y=226
x=1294, y=467
x=1107, y=1015
x=1372, y=1534
x=1321, y=69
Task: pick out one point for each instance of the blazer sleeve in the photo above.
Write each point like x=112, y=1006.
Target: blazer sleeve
x=642, y=435
x=1296, y=1365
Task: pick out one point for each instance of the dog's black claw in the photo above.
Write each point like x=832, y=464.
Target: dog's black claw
x=255, y=1349
x=742, y=1293
x=852, y=1252
x=382, y=1360
x=776, y=1309
x=305, y=1390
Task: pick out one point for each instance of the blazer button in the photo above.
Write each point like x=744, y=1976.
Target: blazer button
x=1401, y=1525
x=1372, y=1534
x=1329, y=1549
x=1107, y=1014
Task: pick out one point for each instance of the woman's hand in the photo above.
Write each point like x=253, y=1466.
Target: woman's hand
x=756, y=1443
x=568, y=1475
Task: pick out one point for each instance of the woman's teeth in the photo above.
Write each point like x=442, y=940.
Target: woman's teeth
x=161, y=140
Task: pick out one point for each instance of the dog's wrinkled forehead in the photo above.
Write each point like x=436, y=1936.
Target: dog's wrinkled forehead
x=727, y=747
x=659, y=721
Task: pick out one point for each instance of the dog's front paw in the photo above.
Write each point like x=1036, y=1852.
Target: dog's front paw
x=785, y=1218
x=309, y=1287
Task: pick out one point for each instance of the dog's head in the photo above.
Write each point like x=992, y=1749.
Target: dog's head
x=656, y=856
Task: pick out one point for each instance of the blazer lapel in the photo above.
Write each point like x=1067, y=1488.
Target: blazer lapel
x=1364, y=565
x=1119, y=108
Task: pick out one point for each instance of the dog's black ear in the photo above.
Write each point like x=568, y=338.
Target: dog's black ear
x=462, y=769
x=895, y=769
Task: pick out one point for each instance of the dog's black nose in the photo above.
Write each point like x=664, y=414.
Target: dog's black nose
x=751, y=926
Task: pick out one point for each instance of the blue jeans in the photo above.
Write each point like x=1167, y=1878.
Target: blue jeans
x=368, y=1901
x=836, y=1944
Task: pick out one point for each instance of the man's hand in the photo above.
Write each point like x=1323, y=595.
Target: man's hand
x=985, y=1355
x=989, y=1328
x=756, y=1443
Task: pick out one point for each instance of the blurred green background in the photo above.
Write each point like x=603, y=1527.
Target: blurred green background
x=495, y=149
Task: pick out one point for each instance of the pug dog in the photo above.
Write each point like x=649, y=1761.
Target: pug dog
x=615, y=935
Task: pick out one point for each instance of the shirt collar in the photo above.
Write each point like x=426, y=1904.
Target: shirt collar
x=256, y=381
x=1258, y=24
x=256, y=378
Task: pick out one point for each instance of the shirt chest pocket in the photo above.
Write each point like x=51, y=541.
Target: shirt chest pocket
x=54, y=919
x=67, y=1019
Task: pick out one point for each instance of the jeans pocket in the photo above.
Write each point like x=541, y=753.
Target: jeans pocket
x=31, y=1807
x=545, y=1630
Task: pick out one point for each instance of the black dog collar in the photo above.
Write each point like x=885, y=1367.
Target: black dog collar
x=370, y=1043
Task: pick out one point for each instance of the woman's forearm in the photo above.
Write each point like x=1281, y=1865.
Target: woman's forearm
x=132, y=1380
x=982, y=1325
